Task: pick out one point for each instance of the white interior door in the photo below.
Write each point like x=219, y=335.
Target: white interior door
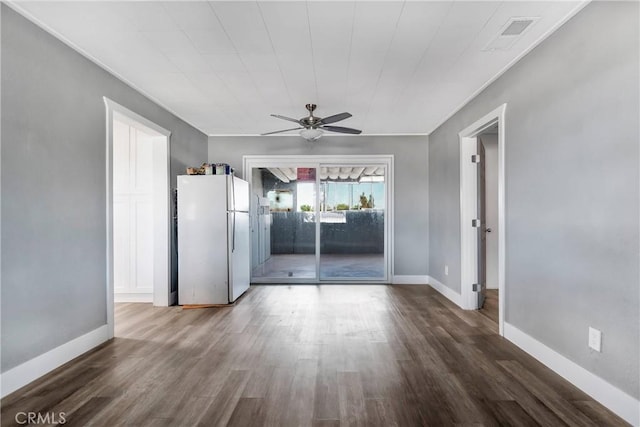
x=133, y=214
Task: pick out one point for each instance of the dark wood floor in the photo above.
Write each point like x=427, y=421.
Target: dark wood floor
x=309, y=355
x=490, y=306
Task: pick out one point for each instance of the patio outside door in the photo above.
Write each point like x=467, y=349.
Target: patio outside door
x=283, y=223
x=315, y=221
x=352, y=232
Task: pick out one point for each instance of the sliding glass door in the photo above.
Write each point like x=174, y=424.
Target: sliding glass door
x=319, y=221
x=352, y=231
x=284, y=230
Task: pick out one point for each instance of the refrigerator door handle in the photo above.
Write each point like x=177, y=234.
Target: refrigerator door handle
x=233, y=193
x=233, y=233
x=233, y=209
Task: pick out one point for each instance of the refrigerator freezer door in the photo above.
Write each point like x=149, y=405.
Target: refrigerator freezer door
x=202, y=240
x=238, y=194
x=239, y=258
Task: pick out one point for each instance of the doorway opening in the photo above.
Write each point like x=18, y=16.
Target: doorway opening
x=488, y=213
x=482, y=236
x=320, y=219
x=138, y=211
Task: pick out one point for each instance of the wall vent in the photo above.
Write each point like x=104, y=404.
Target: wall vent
x=510, y=33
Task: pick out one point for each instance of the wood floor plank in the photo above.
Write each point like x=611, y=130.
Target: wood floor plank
x=325, y=423
x=598, y=413
x=85, y=413
x=546, y=395
x=351, y=399
x=330, y=355
x=325, y=405
x=248, y=412
x=423, y=397
x=379, y=413
x=278, y=395
x=190, y=411
x=258, y=383
x=222, y=407
x=510, y=413
x=301, y=403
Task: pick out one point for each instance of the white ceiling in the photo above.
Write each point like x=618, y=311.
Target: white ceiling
x=398, y=67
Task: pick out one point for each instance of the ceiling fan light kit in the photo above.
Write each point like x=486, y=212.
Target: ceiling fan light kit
x=312, y=134
x=312, y=127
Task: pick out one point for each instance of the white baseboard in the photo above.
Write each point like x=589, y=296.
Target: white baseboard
x=625, y=406
x=449, y=293
x=410, y=280
x=132, y=297
x=33, y=369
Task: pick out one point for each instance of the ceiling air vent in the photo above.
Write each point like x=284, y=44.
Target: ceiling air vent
x=510, y=33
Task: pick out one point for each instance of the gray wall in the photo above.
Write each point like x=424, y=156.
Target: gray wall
x=53, y=187
x=410, y=188
x=572, y=190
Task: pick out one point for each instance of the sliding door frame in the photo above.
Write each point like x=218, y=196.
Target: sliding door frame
x=250, y=162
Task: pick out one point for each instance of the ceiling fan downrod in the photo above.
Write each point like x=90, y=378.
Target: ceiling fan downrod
x=311, y=120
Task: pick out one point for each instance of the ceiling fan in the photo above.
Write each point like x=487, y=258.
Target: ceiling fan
x=313, y=127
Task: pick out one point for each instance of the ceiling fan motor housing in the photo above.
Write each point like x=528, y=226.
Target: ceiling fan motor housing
x=311, y=121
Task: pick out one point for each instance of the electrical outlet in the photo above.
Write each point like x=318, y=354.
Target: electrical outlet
x=446, y=270
x=595, y=339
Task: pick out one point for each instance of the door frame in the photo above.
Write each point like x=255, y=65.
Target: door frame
x=468, y=210
x=387, y=160
x=162, y=295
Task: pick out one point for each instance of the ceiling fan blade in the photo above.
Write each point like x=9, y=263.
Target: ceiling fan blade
x=335, y=118
x=279, y=131
x=342, y=129
x=278, y=116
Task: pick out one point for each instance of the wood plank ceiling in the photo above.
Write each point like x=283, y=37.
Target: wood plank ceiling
x=398, y=67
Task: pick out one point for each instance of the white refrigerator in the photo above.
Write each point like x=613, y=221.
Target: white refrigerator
x=213, y=239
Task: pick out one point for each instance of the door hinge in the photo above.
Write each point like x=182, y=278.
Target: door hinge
x=476, y=287
x=475, y=223
x=475, y=158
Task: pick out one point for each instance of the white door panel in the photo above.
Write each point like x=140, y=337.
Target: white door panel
x=121, y=156
x=142, y=164
x=143, y=241
x=133, y=215
x=121, y=243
